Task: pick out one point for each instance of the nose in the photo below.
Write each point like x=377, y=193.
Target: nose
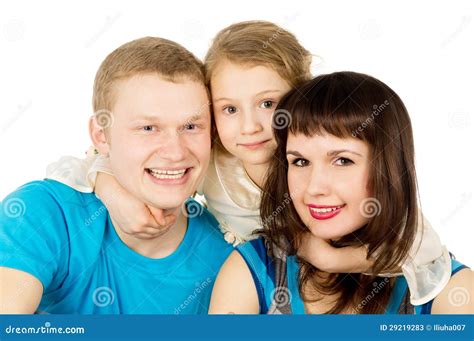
x=320, y=182
x=250, y=123
x=172, y=148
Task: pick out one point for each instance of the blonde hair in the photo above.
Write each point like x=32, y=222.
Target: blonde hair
x=145, y=55
x=260, y=43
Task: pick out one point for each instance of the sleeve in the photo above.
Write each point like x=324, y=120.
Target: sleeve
x=33, y=235
x=79, y=174
x=427, y=268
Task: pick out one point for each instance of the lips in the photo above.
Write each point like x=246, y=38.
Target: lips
x=254, y=145
x=323, y=212
x=176, y=176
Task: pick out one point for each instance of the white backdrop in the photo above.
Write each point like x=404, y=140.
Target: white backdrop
x=50, y=51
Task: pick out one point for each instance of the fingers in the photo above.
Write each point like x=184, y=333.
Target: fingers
x=160, y=218
x=150, y=233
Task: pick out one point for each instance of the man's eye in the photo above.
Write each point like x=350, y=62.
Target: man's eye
x=267, y=105
x=148, y=128
x=342, y=161
x=300, y=162
x=230, y=110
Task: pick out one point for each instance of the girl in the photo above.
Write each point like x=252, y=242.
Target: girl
x=336, y=157
x=249, y=67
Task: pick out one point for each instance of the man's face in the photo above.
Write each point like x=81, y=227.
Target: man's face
x=159, y=139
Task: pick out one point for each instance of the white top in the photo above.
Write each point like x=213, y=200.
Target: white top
x=234, y=199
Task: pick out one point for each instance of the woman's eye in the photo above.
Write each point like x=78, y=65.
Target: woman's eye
x=342, y=161
x=230, y=110
x=190, y=126
x=300, y=162
x=267, y=105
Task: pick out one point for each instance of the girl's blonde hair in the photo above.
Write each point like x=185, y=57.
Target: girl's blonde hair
x=260, y=43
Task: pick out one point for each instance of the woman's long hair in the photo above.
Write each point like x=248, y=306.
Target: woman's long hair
x=349, y=105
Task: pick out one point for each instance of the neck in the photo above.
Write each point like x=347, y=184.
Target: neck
x=160, y=246
x=257, y=173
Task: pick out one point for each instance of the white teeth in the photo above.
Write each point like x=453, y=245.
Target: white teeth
x=324, y=210
x=167, y=174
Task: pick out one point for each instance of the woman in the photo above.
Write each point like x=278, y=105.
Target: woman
x=346, y=159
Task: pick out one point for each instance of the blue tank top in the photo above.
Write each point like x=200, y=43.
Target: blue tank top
x=263, y=268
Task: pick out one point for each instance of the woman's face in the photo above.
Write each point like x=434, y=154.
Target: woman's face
x=328, y=183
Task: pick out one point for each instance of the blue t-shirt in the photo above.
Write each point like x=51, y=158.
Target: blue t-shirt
x=263, y=270
x=66, y=239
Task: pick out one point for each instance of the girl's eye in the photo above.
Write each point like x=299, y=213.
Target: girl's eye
x=267, y=105
x=342, y=161
x=190, y=126
x=300, y=162
x=230, y=110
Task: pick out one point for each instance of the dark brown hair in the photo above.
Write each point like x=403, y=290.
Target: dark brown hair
x=349, y=105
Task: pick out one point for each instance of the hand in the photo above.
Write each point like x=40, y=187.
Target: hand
x=316, y=251
x=321, y=254
x=131, y=215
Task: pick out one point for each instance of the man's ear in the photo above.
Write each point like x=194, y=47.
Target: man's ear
x=98, y=136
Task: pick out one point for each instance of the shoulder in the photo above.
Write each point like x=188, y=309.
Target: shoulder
x=44, y=205
x=234, y=291
x=456, y=297
x=50, y=190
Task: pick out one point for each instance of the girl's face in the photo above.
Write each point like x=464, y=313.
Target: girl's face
x=327, y=180
x=244, y=99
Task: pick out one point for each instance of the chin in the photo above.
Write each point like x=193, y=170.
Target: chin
x=168, y=199
x=257, y=159
x=326, y=231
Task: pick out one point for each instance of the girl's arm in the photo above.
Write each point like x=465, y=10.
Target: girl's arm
x=325, y=257
x=93, y=174
x=234, y=291
x=131, y=215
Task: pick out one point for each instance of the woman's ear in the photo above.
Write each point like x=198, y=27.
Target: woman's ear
x=98, y=136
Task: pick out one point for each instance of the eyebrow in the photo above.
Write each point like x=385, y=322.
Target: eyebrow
x=148, y=118
x=258, y=94
x=330, y=153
